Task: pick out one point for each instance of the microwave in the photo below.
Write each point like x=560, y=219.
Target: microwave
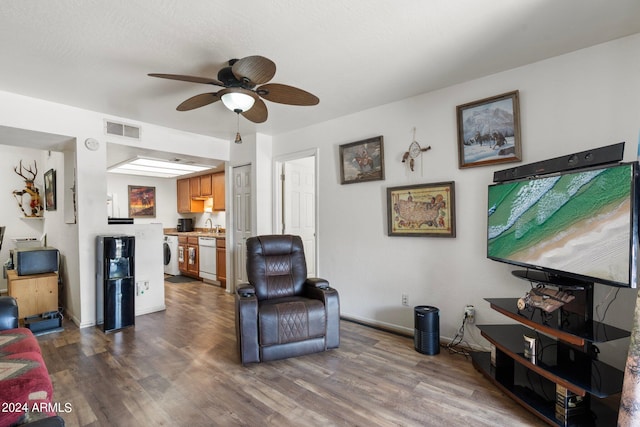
x=28, y=261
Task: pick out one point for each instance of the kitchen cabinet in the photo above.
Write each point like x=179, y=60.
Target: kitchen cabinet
x=182, y=254
x=186, y=203
x=194, y=186
x=192, y=193
x=218, y=191
x=188, y=253
x=35, y=294
x=221, y=259
x=206, y=187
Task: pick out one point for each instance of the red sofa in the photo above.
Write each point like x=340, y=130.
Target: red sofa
x=26, y=390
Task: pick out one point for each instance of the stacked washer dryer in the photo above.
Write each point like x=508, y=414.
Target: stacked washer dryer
x=170, y=249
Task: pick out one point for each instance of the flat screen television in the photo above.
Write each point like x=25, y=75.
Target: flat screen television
x=581, y=225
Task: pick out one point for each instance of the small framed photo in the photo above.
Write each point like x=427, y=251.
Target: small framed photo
x=423, y=210
x=142, y=202
x=489, y=131
x=362, y=161
x=50, y=190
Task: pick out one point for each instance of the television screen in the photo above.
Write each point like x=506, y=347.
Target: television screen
x=580, y=224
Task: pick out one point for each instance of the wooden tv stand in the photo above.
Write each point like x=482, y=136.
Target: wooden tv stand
x=566, y=359
x=35, y=294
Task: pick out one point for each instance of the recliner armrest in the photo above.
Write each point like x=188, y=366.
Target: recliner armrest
x=8, y=313
x=247, y=323
x=319, y=289
x=246, y=290
x=317, y=282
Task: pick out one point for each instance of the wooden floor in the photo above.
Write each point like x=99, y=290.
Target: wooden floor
x=180, y=368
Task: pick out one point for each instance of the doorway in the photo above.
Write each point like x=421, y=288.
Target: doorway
x=242, y=230
x=296, y=202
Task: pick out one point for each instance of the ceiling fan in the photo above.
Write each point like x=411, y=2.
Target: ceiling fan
x=245, y=84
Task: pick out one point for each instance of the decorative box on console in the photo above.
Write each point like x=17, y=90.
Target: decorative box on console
x=45, y=322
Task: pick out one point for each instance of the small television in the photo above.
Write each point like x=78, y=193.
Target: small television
x=39, y=260
x=579, y=226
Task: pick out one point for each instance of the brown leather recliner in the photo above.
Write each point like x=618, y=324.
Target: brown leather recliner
x=281, y=313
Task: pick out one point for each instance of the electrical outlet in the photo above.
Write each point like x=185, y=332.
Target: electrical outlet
x=470, y=314
x=142, y=287
x=405, y=300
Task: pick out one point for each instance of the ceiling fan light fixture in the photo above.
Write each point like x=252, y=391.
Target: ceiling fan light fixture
x=235, y=101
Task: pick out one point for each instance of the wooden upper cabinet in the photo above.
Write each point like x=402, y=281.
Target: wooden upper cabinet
x=193, y=191
x=218, y=191
x=194, y=186
x=184, y=196
x=206, y=188
x=186, y=204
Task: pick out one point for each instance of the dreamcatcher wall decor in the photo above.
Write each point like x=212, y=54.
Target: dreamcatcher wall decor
x=415, y=150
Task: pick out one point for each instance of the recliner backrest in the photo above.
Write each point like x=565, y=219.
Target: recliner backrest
x=276, y=265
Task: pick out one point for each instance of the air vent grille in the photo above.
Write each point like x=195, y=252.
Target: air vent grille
x=121, y=129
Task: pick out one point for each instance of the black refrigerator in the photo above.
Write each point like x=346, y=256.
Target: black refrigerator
x=115, y=281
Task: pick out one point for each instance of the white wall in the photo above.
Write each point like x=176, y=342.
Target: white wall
x=571, y=103
x=58, y=234
x=166, y=195
x=10, y=215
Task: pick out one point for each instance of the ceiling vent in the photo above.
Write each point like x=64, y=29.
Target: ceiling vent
x=121, y=129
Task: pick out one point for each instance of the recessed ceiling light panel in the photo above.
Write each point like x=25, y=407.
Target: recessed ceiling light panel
x=156, y=167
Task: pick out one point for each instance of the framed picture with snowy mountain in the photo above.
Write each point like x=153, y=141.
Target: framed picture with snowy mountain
x=489, y=131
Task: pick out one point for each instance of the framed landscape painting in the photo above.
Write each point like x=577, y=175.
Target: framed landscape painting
x=489, y=131
x=362, y=161
x=423, y=210
x=142, y=202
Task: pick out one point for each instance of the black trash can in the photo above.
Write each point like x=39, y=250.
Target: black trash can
x=427, y=329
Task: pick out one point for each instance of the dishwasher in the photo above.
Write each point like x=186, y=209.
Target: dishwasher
x=207, y=248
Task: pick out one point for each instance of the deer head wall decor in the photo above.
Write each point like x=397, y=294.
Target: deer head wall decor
x=29, y=198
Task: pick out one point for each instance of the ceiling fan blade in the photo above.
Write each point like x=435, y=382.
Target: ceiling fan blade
x=285, y=94
x=192, y=79
x=256, y=69
x=258, y=113
x=198, y=101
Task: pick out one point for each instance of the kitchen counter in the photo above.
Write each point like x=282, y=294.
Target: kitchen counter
x=196, y=233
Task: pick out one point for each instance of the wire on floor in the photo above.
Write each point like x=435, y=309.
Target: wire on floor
x=458, y=345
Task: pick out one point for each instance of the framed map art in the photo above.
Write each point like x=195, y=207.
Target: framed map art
x=423, y=210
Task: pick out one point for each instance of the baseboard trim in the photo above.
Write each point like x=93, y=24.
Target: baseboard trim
x=379, y=326
x=149, y=310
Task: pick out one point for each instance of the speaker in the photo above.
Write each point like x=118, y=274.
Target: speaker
x=426, y=336
x=584, y=159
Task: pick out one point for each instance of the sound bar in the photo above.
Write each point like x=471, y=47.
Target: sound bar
x=596, y=157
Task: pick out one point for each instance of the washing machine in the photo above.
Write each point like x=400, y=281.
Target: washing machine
x=170, y=250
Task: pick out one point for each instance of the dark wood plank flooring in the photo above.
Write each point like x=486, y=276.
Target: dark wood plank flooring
x=180, y=367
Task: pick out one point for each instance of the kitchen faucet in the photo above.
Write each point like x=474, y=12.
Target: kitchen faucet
x=210, y=228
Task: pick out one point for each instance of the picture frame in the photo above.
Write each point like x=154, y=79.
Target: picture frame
x=362, y=161
x=422, y=210
x=489, y=131
x=50, y=190
x=142, y=201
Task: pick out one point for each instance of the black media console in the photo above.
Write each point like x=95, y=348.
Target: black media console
x=563, y=383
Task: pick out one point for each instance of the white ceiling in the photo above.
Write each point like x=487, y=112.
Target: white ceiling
x=354, y=55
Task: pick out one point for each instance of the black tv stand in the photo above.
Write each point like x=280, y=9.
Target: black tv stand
x=563, y=282
x=566, y=361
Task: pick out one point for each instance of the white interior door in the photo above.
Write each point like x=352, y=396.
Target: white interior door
x=241, y=221
x=299, y=205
